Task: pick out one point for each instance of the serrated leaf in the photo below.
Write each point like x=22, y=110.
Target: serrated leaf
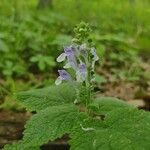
x=19, y=146
x=38, y=99
x=51, y=123
x=125, y=128
x=104, y=105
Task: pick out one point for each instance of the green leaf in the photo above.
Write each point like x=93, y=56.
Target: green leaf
x=3, y=46
x=41, y=64
x=34, y=59
x=51, y=123
x=38, y=99
x=100, y=79
x=105, y=105
x=19, y=146
x=123, y=128
x=50, y=61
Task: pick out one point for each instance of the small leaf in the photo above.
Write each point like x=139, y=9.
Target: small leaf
x=100, y=79
x=3, y=46
x=49, y=61
x=41, y=64
x=34, y=59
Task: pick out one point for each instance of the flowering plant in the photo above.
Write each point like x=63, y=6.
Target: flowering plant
x=81, y=57
x=105, y=123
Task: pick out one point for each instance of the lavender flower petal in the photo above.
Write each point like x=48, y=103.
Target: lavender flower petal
x=64, y=75
x=81, y=73
x=61, y=57
x=72, y=61
x=70, y=53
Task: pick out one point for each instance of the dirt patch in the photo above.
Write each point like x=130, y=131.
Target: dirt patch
x=11, y=126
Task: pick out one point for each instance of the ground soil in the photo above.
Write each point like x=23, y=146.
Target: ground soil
x=11, y=126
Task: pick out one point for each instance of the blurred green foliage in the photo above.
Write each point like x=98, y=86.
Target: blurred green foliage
x=31, y=38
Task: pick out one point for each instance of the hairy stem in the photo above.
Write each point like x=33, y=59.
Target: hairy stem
x=88, y=81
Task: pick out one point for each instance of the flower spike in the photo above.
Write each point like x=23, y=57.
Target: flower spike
x=81, y=58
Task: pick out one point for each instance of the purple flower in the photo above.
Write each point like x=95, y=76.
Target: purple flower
x=63, y=75
x=76, y=54
x=81, y=73
x=69, y=53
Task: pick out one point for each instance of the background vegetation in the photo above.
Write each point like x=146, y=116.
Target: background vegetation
x=33, y=33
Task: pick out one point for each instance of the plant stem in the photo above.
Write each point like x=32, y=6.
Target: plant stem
x=88, y=81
